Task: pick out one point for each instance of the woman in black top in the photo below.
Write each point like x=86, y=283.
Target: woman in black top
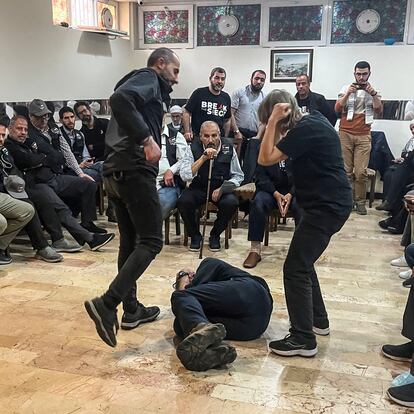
x=323, y=192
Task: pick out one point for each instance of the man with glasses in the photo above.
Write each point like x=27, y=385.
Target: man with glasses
x=217, y=302
x=358, y=103
x=244, y=105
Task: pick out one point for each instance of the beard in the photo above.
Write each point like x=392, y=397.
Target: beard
x=256, y=88
x=217, y=88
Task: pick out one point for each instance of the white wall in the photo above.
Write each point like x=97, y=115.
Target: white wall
x=55, y=63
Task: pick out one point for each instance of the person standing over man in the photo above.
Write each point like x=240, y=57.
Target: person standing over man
x=133, y=141
x=208, y=104
x=309, y=101
x=244, y=105
x=324, y=194
x=358, y=103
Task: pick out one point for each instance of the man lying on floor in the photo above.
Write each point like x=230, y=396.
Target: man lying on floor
x=217, y=302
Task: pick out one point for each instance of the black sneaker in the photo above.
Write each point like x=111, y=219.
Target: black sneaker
x=385, y=223
x=403, y=395
x=195, y=245
x=290, y=346
x=214, y=243
x=5, y=257
x=99, y=240
x=202, y=337
x=94, y=228
x=106, y=321
x=214, y=356
x=403, y=352
x=141, y=315
x=408, y=282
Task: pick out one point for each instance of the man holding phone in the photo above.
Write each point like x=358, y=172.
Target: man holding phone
x=358, y=103
x=274, y=189
x=76, y=141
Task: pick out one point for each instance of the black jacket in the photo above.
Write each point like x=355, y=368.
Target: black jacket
x=7, y=167
x=318, y=102
x=137, y=105
x=274, y=178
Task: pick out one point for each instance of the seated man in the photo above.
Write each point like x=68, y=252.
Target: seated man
x=41, y=173
x=274, y=189
x=14, y=215
x=217, y=302
x=169, y=183
x=176, y=113
x=76, y=141
x=226, y=176
x=398, y=177
x=11, y=183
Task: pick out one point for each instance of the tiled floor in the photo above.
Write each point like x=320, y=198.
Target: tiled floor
x=52, y=361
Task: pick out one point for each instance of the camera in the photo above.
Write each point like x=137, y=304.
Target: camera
x=360, y=85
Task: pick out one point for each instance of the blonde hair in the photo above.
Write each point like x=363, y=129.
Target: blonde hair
x=280, y=96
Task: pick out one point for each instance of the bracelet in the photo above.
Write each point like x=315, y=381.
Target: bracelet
x=374, y=94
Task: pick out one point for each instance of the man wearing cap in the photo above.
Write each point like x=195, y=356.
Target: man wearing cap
x=40, y=176
x=170, y=183
x=217, y=302
x=82, y=187
x=176, y=113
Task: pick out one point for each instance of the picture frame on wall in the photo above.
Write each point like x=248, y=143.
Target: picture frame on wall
x=165, y=26
x=287, y=64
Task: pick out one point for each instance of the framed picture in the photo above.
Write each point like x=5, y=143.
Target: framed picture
x=287, y=64
x=165, y=26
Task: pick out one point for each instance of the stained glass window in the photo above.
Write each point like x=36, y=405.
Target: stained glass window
x=166, y=26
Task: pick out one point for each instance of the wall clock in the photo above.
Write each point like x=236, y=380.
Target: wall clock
x=368, y=21
x=106, y=18
x=228, y=25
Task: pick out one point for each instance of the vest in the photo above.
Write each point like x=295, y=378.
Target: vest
x=221, y=165
x=171, y=150
x=78, y=144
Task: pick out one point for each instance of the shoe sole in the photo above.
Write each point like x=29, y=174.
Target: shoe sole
x=72, y=250
x=401, y=402
x=307, y=353
x=100, y=329
x=192, y=249
x=214, y=250
x=5, y=263
x=131, y=325
x=95, y=248
x=251, y=265
x=213, y=358
x=196, y=343
x=399, y=265
x=320, y=331
x=395, y=358
x=57, y=260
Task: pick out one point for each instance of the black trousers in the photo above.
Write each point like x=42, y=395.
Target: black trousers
x=191, y=199
x=54, y=214
x=408, y=318
x=241, y=304
x=77, y=190
x=34, y=230
x=138, y=212
x=303, y=294
x=395, y=181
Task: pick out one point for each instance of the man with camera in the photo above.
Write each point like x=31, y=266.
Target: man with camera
x=357, y=102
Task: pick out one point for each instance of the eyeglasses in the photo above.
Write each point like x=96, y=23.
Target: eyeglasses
x=45, y=116
x=179, y=276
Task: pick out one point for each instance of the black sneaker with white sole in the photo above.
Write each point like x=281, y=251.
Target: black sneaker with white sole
x=214, y=244
x=403, y=395
x=403, y=352
x=195, y=244
x=143, y=314
x=99, y=240
x=290, y=346
x=321, y=328
x=106, y=321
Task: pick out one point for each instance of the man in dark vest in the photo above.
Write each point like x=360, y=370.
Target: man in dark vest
x=226, y=176
x=76, y=141
x=169, y=183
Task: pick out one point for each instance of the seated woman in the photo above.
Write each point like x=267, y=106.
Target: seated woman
x=218, y=301
x=274, y=189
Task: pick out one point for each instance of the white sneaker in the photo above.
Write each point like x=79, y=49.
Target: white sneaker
x=406, y=274
x=400, y=262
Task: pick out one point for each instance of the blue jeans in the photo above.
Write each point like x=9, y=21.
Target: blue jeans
x=95, y=171
x=168, y=199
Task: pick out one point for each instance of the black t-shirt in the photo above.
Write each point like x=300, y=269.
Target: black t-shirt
x=317, y=165
x=304, y=104
x=205, y=106
x=96, y=138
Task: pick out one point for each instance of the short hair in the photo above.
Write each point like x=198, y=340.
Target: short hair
x=17, y=118
x=362, y=65
x=280, y=96
x=211, y=123
x=258, y=70
x=305, y=75
x=80, y=103
x=65, y=109
x=5, y=121
x=161, y=53
x=217, y=69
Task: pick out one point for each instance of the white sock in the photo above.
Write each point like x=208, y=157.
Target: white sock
x=256, y=247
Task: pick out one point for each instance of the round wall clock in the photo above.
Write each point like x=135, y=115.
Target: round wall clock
x=368, y=21
x=228, y=25
x=107, y=18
